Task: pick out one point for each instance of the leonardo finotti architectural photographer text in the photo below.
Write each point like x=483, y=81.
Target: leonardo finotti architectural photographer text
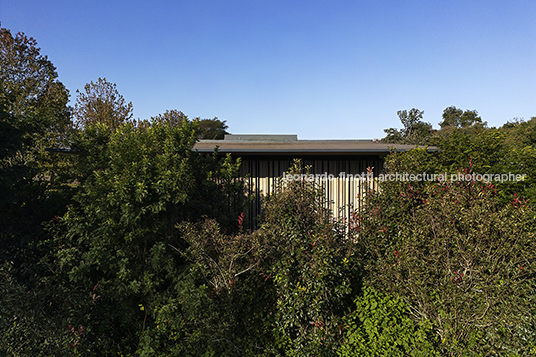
x=411, y=177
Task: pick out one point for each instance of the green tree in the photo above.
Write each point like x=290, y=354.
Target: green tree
x=507, y=150
x=457, y=118
x=213, y=129
x=100, y=102
x=31, y=93
x=210, y=129
x=519, y=156
x=415, y=131
x=484, y=148
x=174, y=117
x=33, y=112
x=521, y=133
x=33, y=116
x=119, y=241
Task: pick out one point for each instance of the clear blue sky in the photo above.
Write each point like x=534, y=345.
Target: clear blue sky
x=321, y=69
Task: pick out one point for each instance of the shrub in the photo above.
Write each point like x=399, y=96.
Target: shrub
x=459, y=258
x=314, y=268
x=380, y=325
x=220, y=303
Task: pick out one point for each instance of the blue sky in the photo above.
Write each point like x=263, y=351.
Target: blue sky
x=320, y=69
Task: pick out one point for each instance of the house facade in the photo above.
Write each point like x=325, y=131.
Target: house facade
x=340, y=166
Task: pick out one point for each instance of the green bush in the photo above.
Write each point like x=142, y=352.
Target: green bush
x=315, y=270
x=459, y=258
x=220, y=303
x=380, y=325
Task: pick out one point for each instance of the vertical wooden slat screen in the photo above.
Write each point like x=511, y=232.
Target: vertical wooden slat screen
x=342, y=193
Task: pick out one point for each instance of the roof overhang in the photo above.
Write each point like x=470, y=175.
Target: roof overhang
x=277, y=145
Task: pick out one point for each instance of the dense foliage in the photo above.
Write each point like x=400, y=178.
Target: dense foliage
x=33, y=116
x=381, y=326
x=315, y=269
x=460, y=258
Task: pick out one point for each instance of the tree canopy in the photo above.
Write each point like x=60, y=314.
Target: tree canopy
x=415, y=131
x=34, y=102
x=173, y=117
x=33, y=116
x=101, y=102
x=213, y=129
x=457, y=118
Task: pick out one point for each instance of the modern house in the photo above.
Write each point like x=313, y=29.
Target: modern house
x=339, y=165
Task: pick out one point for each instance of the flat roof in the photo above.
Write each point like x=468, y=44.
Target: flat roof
x=289, y=144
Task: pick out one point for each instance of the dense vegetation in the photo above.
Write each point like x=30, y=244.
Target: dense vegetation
x=133, y=244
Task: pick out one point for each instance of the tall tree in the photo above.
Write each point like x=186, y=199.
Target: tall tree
x=33, y=115
x=415, y=131
x=456, y=118
x=34, y=101
x=120, y=233
x=100, y=102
